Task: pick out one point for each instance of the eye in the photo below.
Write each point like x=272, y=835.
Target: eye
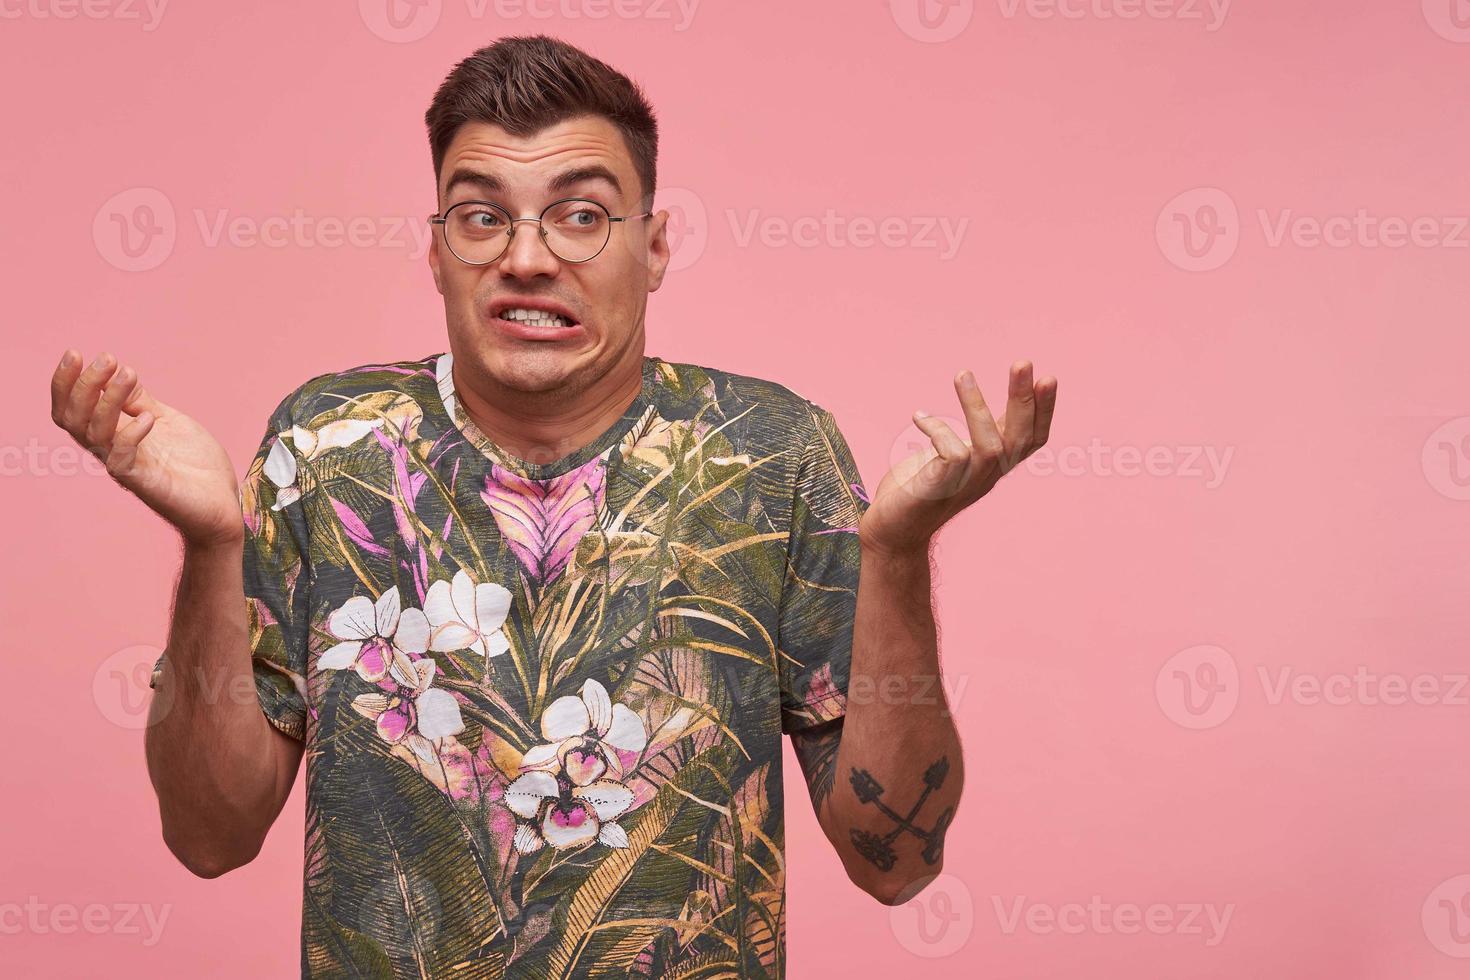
x=576, y=216
x=478, y=219
x=483, y=218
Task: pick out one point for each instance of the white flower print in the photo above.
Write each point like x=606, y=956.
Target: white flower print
x=370, y=632
x=466, y=616
x=280, y=462
x=564, y=796
x=581, y=733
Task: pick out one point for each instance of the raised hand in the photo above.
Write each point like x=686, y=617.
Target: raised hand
x=164, y=457
x=925, y=490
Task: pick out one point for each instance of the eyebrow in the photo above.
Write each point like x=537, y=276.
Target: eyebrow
x=490, y=183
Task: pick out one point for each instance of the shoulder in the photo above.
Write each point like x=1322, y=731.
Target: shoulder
x=332, y=390
x=761, y=409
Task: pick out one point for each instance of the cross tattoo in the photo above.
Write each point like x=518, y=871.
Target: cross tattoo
x=879, y=849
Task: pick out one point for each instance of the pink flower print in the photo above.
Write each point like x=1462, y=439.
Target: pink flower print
x=553, y=811
x=414, y=712
x=542, y=520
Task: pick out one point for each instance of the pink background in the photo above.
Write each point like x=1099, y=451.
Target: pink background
x=1327, y=545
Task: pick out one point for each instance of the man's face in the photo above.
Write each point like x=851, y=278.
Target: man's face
x=606, y=297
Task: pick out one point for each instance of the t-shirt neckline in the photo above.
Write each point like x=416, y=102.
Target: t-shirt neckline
x=540, y=471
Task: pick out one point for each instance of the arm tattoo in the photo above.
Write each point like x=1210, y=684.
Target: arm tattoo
x=879, y=848
x=816, y=750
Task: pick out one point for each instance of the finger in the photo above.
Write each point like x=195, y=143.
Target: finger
x=1046, y=406
x=141, y=401
x=984, y=436
x=954, y=455
x=124, y=452
x=951, y=448
x=62, y=379
x=84, y=394
x=102, y=427
x=1020, y=419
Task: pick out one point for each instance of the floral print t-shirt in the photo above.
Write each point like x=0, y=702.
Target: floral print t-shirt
x=543, y=702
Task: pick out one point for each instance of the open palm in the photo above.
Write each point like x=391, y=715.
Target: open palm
x=163, y=456
x=925, y=489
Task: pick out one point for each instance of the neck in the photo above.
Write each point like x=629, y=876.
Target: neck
x=542, y=427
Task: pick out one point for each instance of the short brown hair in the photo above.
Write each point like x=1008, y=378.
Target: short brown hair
x=524, y=84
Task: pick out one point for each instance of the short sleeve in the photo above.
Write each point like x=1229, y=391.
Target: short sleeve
x=819, y=595
x=275, y=576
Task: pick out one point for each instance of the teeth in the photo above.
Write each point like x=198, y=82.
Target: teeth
x=537, y=318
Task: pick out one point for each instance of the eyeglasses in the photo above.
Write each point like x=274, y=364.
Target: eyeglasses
x=575, y=229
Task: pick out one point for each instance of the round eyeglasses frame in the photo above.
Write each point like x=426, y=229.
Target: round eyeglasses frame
x=510, y=231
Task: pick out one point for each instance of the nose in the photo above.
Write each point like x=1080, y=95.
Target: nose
x=526, y=254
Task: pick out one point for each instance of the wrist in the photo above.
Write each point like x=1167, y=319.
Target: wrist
x=896, y=551
x=223, y=545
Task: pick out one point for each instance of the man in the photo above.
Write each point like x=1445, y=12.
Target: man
x=538, y=609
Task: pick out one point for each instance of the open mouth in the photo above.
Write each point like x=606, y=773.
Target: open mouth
x=535, y=314
x=536, y=318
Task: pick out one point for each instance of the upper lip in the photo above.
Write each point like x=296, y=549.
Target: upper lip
x=499, y=306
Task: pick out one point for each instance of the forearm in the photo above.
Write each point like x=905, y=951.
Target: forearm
x=221, y=772
x=898, y=768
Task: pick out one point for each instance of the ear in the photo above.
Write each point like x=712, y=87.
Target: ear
x=434, y=257
x=658, y=249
